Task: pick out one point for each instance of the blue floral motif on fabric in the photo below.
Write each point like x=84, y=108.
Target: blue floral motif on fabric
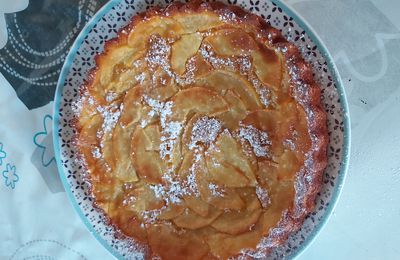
x=3, y=154
x=10, y=176
x=47, y=154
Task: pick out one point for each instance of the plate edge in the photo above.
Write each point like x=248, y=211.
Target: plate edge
x=346, y=120
x=57, y=97
x=331, y=65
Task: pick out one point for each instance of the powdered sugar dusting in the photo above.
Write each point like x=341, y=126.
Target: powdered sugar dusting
x=111, y=96
x=228, y=17
x=192, y=183
x=205, y=130
x=263, y=197
x=140, y=77
x=170, y=132
x=129, y=200
x=96, y=153
x=170, y=129
x=78, y=105
x=209, y=55
x=265, y=95
x=151, y=216
x=173, y=189
x=289, y=143
x=171, y=192
x=243, y=65
x=158, y=55
x=110, y=116
x=216, y=190
x=258, y=139
x=268, y=242
x=158, y=52
x=263, y=92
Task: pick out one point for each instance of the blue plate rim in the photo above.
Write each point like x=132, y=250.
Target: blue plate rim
x=321, y=47
x=346, y=124
x=57, y=98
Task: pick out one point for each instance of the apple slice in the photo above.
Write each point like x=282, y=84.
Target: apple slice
x=231, y=42
x=88, y=134
x=228, y=152
x=197, y=22
x=123, y=168
x=159, y=78
x=236, y=113
x=171, y=153
x=152, y=133
x=222, y=173
x=133, y=108
x=268, y=67
x=129, y=223
x=143, y=199
x=221, y=81
x=197, y=205
x=190, y=220
x=163, y=93
x=264, y=120
x=267, y=173
x=119, y=87
x=236, y=222
x=163, y=26
x=88, y=141
x=148, y=165
x=169, y=244
x=108, y=192
x=229, y=200
x=224, y=245
x=187, y=133
x=269, y=121
x=172, y=211
x=279, y=189
x=130, y=77
x=294, y=126
x=199, y=66
x=289, y=165
x=183, y=49
x=190, y=167
x=197, y=100
x=109, y=61
x=250, y=198
x=201, y=131
x=87, y=109
x=106, y=145
x=187, y=162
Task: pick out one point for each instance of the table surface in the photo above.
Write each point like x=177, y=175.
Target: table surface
x=364, y=39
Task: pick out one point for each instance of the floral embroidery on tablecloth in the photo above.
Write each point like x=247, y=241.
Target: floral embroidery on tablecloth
x=10, y=176
x=47, y=152
x=3, y=154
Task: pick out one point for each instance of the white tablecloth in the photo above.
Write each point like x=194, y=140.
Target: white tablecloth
x=37, y=221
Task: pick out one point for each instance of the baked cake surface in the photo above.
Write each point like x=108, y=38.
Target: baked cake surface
x=202, y=133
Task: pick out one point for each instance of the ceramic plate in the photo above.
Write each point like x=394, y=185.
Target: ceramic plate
x=105, y=25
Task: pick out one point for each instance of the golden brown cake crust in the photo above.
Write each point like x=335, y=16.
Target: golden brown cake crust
x=304, y=90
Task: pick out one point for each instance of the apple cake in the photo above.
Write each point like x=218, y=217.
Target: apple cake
x=202, y=133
